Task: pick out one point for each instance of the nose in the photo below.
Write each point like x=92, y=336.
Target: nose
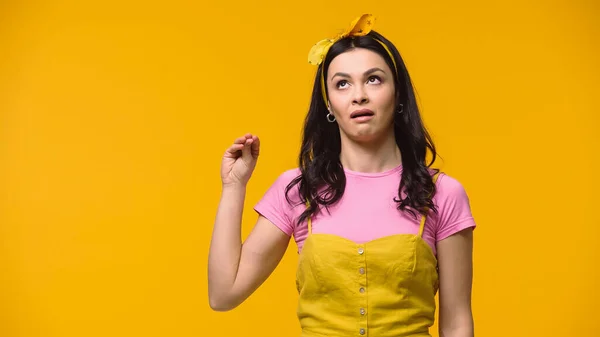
x=360, y=95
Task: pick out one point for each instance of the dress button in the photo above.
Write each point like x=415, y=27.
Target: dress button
x=362, y=311
x=361, y=270
x=361, y=251
x=362, y=290
x=362, y=331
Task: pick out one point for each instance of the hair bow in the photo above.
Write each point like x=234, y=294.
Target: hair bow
x=359, y=27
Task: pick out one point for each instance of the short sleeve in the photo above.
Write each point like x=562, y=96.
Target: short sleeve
x=274, y=205
x=454, y=209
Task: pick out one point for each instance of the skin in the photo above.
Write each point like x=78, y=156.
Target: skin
x=356, y=79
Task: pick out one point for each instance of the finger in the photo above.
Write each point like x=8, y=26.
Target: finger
x=255, y=146
x=240, y=140
x=247, y=150
x=233, y=150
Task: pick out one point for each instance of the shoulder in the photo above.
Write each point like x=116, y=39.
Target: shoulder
x=279, y=187
x=277, y=205
x=449, y=187
x=285, y=178
x=289, y=175
x=453, y=207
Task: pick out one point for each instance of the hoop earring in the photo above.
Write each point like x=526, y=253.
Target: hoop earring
x=401, y=108
x=330, y=118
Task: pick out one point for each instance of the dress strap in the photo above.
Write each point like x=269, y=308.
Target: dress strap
x=309, y=221
x=424, y=217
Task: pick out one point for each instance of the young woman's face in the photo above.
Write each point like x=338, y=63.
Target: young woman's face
x=361, y=94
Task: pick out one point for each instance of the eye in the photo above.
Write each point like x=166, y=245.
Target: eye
x=374, y=79
x=340, y=83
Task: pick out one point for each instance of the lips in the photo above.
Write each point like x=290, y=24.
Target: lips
x=361, y=113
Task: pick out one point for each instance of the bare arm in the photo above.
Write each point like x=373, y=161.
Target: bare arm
x=456, y=274
x=236, y=270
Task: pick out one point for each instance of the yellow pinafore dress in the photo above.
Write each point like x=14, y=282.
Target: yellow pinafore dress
x=384, y=287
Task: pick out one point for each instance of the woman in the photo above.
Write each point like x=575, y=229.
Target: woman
x=378, y=231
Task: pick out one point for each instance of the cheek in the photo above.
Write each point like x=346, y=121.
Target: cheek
x=338, y=101
x=386, y=98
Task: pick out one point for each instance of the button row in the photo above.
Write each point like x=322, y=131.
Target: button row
x=362, y=290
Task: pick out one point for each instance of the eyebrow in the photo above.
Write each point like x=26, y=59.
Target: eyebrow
x=368, y=72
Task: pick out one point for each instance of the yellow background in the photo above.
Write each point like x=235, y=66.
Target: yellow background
x=114, y=116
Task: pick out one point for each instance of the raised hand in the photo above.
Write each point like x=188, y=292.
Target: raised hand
x=240, y=160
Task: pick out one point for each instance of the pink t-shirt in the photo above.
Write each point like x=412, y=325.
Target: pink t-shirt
x=367, y=209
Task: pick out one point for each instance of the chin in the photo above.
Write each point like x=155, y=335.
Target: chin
x=365, y=137
x=368, y=135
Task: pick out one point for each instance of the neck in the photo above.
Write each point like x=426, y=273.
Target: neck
x=370, y=157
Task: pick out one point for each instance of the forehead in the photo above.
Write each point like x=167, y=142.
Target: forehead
x=356, y=61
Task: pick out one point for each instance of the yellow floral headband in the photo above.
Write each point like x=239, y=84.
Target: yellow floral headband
x=359, y=27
